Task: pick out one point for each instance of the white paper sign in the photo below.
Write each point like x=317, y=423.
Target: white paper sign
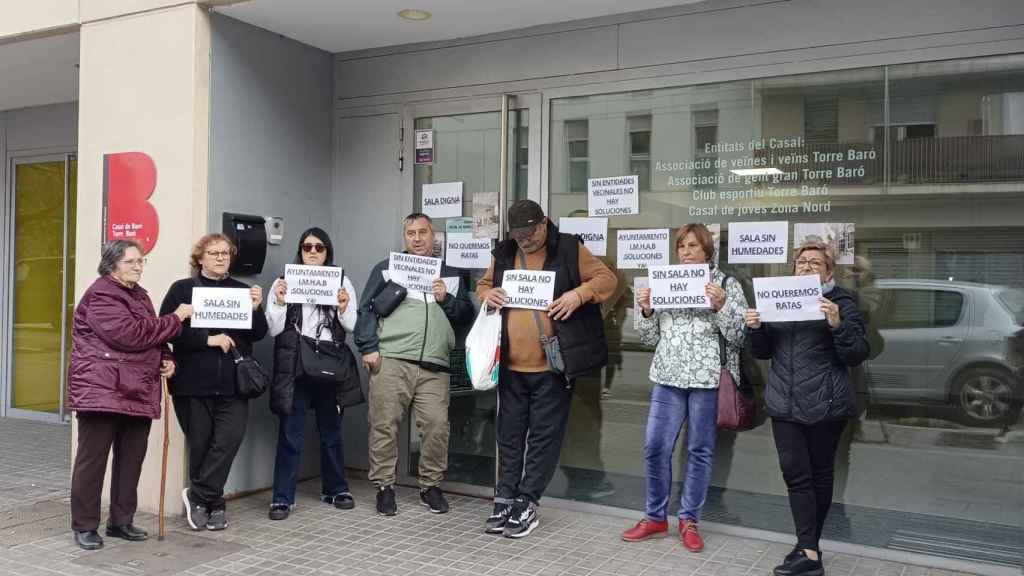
x=758, y=242
x=680, y=286
x=228, y=308
x=788, y=298
x=312, y=284
x=638, y=283
x=529, y=288
x=443, y=200
x=642, y=248
x=451, y=285
x=414, y=272
x=594, y=232
x=613, y=196
x=464, y=251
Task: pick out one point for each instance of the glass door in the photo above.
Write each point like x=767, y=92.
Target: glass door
x=467, y=146
x=39, y=290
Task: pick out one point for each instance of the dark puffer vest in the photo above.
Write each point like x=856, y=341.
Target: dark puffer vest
x=286, y=365
x=581, y=337
x=809, y=379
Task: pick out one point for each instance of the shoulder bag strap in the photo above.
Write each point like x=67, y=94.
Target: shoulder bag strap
x=721, y=339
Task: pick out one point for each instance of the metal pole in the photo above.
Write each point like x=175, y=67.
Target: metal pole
x=503, y=171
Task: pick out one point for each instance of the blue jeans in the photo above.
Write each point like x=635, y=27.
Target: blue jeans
x=670, y=407
x=290, y=441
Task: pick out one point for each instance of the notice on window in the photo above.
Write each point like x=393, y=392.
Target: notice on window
x=593, y=231
x=758, y=242
x=424, y=146
x=442, y=200
x=680, y=286
x=642, y=248
x=485, y=215
x=464, y=251
x=416, y=273
x=613, y=196
x=462, y=226
x=638, y=283
x=533, y=289
x=317, y=285
x=788, y=298
x=839, y=237
x=226, y=308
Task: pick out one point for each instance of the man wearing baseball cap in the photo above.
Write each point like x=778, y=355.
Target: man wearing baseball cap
x=535, y=385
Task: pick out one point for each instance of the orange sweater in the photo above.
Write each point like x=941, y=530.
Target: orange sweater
x=526, y=354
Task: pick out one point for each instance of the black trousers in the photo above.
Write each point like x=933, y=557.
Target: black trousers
x=533, y=411
x=98, y=432
x=214, y=428
x=807, y=455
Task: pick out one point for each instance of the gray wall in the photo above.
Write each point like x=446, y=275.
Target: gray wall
x=270, y=152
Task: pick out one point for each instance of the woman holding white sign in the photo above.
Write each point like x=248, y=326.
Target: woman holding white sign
x=685, y=372
x=294, y=392
x=210, y=411
x=809, y=398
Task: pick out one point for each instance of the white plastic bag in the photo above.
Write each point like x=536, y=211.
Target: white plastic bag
x=483, y=350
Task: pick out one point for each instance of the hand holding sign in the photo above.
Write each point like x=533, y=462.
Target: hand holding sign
x=343, y=298
x=256, y=293
x=831, y=310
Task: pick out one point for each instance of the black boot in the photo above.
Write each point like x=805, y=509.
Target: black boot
x=127, y=532
x=798, y=564
x=88, y=540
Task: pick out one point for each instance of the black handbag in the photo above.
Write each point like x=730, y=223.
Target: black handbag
x=325, y=362
x=388, y=298
x=251, y=379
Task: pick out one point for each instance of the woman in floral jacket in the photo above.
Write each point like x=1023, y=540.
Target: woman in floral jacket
x=685, y=373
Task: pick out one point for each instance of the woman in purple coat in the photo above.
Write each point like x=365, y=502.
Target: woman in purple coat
x=119, y=354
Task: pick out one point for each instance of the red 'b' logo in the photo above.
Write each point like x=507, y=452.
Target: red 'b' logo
x=129, y=179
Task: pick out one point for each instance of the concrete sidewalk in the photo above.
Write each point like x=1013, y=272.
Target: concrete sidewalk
x=35, y=535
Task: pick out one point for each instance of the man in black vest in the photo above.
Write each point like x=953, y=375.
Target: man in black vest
x=535, y=391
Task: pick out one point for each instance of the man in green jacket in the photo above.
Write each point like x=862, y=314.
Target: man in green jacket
x=407, y=355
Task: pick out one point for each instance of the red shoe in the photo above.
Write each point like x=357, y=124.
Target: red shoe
x=645, y=529
x=689, y=535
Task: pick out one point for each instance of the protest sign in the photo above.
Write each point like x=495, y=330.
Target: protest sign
x=468, y=252
x=593, y=231
x=529, y=288
x=227, y=308
x=442, y=200
x=680, y=286
x=613, y=196
x=788, y=298
x=758, y=242
x=312, y=284
x=414, y=272
x=642, y=248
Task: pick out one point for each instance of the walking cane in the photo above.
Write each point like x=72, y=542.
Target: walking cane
x=163, y=463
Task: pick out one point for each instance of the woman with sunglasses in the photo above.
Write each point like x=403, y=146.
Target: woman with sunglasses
x=809, y=398
x=212, y=414
x=292, y=394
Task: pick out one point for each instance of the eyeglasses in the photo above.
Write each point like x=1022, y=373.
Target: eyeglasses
x=309, y=248
x=140, y=262
x=218, y=254
x=810, y=263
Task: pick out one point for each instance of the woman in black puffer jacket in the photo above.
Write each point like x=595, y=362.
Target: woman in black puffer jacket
x=809, y=398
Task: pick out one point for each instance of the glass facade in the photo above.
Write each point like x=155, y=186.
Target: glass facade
x=916, y=174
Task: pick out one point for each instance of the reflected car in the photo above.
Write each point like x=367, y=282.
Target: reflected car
x=951, y=343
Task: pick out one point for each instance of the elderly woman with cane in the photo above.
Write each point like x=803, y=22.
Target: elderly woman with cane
x=119, y=354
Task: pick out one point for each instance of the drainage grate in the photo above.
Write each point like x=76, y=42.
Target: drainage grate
x=953, y=547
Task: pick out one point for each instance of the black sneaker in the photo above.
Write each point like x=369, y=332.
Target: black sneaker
x=218, y=520
x=386, y=505
x=279, y=511
x=195, y=513
x=798, y=564
x=522, y=519
x=342, y=501
x=496, y=521
x=434, y=500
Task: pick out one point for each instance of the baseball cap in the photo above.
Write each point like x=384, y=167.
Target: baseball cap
x=523, y=216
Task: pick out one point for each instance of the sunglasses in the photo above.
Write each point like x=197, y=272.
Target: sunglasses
x=310, y=248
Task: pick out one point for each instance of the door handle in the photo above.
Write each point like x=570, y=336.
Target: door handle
x=949, y=340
